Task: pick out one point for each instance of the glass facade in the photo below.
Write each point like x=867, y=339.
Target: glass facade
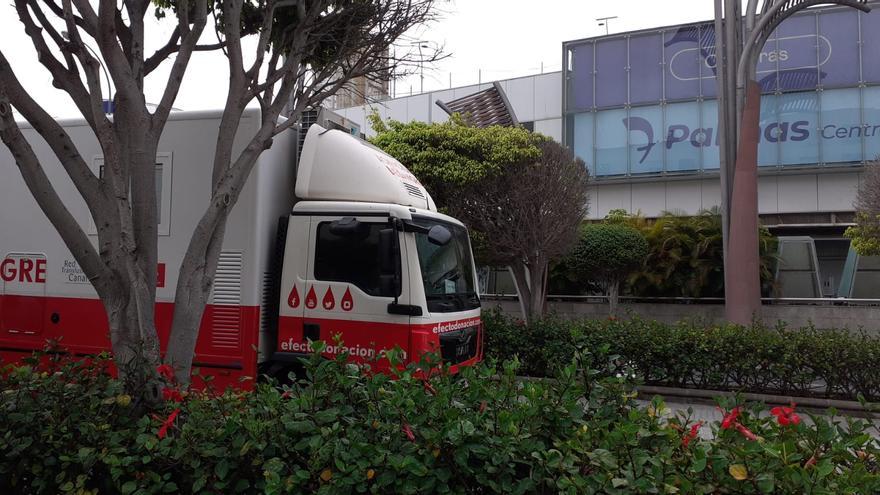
x=644, y=103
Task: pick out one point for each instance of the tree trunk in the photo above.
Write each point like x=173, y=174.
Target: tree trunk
x=193, y=290
x=135, y=347
x=523, y=295
x=531, y=287
x=613, y=295
x=538, y=287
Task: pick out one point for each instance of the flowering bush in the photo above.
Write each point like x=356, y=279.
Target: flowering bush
x=340, y=430
x=787, y=361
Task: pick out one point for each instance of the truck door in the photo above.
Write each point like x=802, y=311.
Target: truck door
x=292, y=288
x=346, y=298
x=23, y=300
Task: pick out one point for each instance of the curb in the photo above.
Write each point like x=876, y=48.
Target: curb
x=869, y=410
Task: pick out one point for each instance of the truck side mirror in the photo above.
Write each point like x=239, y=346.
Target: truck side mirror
x=390, y=278
x=349, y=227
x=439, y=235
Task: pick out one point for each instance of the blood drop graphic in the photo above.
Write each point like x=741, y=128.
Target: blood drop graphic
x=328, y=302
x=311, y=298
x=347, y=303
x=293, y=298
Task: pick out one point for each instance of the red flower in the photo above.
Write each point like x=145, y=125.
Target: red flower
x=166, y=371
x=730, y=419
x=692, y=434
x=482, y=406
x=786, y=415
x=746, y=432
x=408, y=431
x=172, y=394
x=163, y=430
x=286, y=394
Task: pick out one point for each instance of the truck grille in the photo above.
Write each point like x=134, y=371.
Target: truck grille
x=459, y=345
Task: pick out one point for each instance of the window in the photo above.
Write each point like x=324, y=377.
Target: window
x=352, y=258
x=447, y=271
x=163, y=191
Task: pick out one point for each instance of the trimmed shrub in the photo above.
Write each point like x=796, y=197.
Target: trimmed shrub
x=789, y=361
x=341, y=430
x=607, y=253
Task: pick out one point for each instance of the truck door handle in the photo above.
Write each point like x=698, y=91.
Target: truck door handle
x=311, y=331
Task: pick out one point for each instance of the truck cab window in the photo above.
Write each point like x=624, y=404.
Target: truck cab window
x=447, y=270
x=351, y=258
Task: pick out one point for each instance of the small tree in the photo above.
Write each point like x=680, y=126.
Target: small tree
x=521, y=193
x=608, y=253
x=865, y=234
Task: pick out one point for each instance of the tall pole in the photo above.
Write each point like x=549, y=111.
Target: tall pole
x=421, y=44
x=421, y=70
x=739, y=111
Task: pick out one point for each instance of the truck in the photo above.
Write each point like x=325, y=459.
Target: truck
x=342, y=245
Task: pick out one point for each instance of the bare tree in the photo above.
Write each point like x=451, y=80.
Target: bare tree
x=528, y=216
x=305, y=51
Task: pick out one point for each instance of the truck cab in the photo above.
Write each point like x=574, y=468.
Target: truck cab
x=369, y=264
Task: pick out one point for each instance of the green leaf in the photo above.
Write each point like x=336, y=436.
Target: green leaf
x=221, y=469
x=766, y=483
x=198, y=484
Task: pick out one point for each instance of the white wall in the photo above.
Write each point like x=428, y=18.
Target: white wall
x=784, y=193
x=536, y=98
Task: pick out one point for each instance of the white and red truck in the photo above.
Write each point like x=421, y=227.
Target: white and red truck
x=359, y=251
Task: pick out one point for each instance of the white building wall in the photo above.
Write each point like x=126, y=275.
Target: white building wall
x=550, y=127
x=802, y=193
x=535, y=98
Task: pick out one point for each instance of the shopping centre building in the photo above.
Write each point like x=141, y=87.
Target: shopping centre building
x=639, y=108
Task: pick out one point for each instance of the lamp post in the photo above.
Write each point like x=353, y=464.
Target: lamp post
x=603, y=21
x=421, y=44
x=737, y=49
x=107, y=104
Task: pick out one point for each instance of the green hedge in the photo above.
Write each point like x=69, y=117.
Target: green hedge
x=789, y=361
x=341, y=430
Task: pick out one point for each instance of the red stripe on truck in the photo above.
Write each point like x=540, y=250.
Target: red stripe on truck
x=80, y=325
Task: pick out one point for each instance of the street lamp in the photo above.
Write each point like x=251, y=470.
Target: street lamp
x=737, y=51
x=107, y=104
x=421, y=44
x=603, y=21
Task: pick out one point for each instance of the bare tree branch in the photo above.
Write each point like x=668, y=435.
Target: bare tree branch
x=91, y=66
x=117, y=63
x=59, y=12
x=82, y=177
x=63, y=77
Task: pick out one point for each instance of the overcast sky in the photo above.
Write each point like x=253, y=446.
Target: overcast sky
x=488, y=39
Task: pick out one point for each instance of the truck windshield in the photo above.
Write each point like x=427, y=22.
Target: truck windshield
x=447, y=271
